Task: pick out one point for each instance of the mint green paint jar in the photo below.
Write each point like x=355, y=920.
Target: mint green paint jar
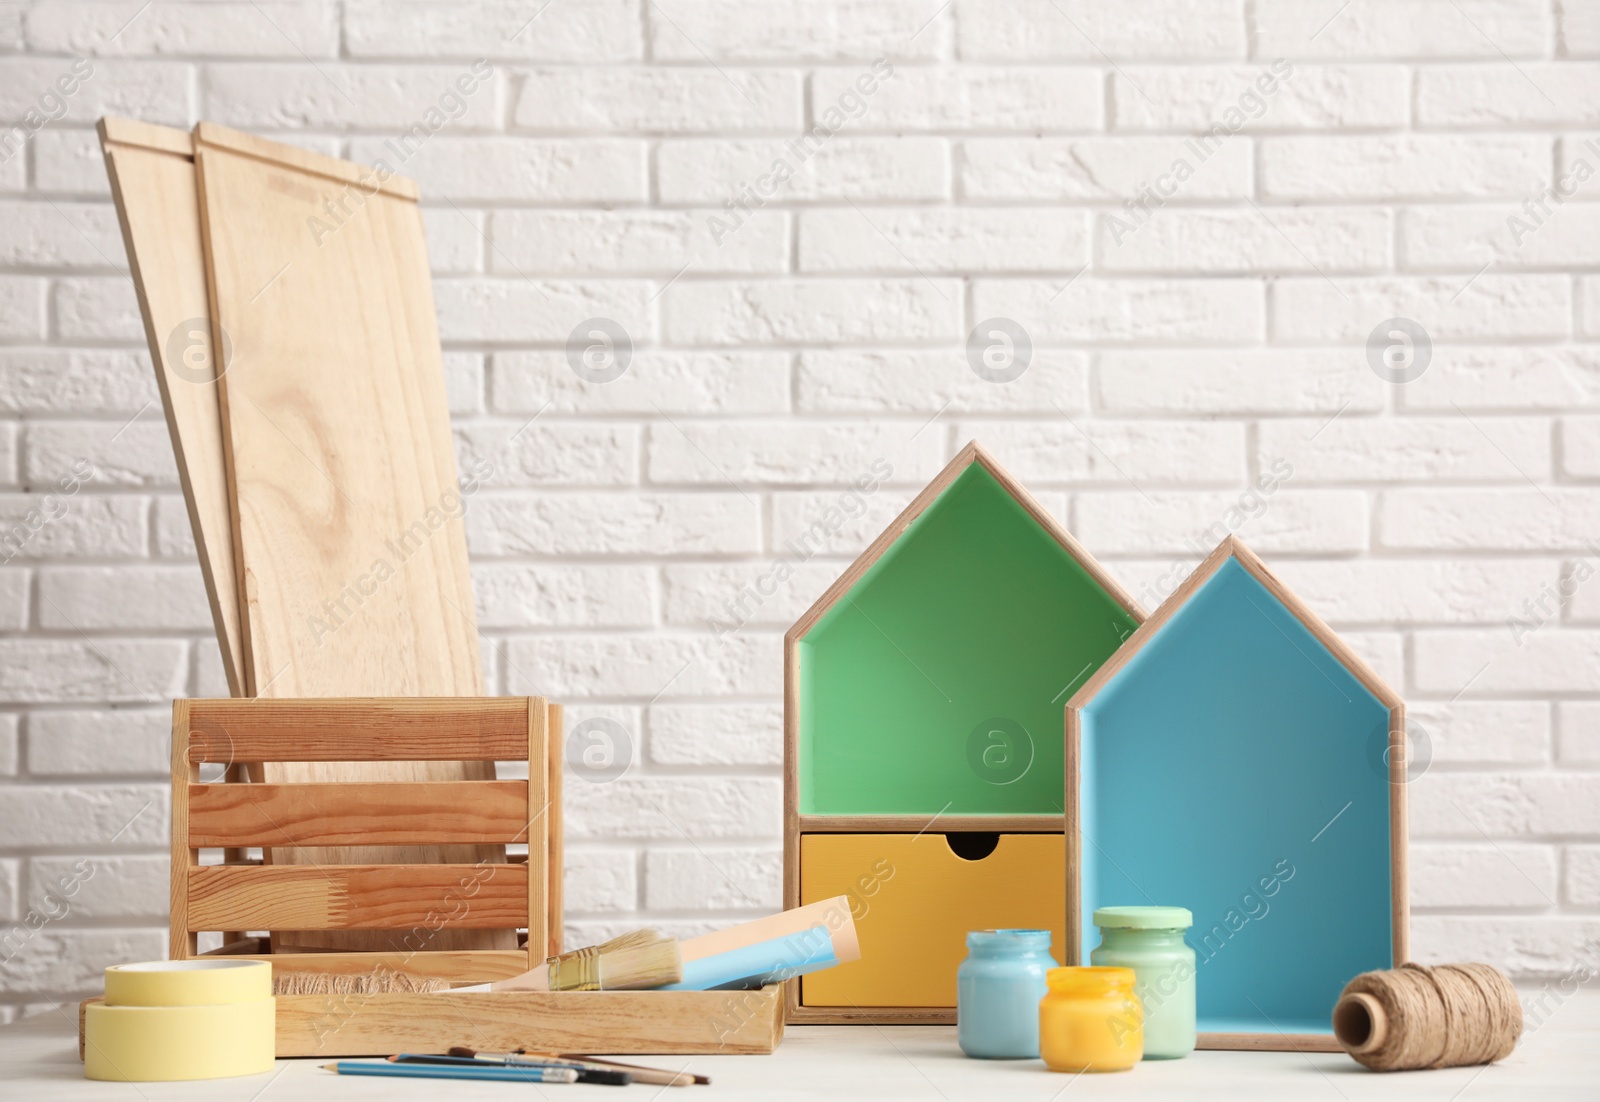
x=1150, y=941
x=998, y=988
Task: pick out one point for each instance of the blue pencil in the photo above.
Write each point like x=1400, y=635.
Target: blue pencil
x=497, y=1073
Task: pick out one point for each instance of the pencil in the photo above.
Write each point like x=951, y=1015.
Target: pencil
x=488, y=1072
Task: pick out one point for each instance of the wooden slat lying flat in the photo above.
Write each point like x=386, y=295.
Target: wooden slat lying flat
x=381, y=814
x=614, y=1022
x=359, y=897
x=360, y=729
x=347, y=521
x=152, y=180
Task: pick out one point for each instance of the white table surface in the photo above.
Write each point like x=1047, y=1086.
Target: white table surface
x=1558, y=1059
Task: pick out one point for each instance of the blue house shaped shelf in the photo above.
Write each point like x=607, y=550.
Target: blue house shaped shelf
x=1236, y=758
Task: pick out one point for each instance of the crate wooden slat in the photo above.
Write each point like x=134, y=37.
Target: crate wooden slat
x=453, y=965
x=382, y=813
x=355, y=897
x=420, y=729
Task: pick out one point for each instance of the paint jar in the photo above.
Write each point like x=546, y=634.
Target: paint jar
x=1149, y=940
x=998, y=988
x=1091, y=1020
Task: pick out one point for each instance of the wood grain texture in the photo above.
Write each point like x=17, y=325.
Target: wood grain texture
x=555, y=899
x=536, y=830
x=151, y=169
x=366, y=177
x=454, y=965
x=347, y=513
x=612, y=1022
x=390, y=813
x=181, y=942
x=355, y=897
x=348, y=538
x=360, y=729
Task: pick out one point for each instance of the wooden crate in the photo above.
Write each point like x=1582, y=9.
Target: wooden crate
x=413, y=901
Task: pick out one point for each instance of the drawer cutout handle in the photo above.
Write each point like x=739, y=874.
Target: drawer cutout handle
x=972, y=845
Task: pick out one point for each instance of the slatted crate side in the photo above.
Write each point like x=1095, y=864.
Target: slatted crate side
x=239, y=896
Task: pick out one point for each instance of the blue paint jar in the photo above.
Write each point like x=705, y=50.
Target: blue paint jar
x=998, y=988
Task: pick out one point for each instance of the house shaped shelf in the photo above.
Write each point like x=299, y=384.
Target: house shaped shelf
x=929, y=680
x=1237, y=759
x=922, y=756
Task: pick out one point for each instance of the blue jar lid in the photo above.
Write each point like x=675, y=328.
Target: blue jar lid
x=1009, y=939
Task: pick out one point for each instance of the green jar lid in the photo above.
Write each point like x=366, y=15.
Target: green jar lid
x=1144, y=918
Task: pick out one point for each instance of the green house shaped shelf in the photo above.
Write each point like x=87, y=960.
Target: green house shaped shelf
x=929, y=680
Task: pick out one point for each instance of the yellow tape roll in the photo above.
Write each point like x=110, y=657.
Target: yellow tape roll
x=145, y=1044
x=188, y=982
x=181, y=1019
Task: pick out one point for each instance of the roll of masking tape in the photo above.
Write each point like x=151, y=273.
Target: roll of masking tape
x=171, y=1020
x=188, y=982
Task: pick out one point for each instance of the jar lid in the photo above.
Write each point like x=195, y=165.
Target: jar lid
x=1144, y=918
x=1029, y=939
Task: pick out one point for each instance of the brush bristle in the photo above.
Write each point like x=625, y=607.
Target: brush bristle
x=643, y=958
x=356, y=983
x=650, y=964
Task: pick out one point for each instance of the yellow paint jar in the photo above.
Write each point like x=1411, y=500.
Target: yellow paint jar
x=1090, y=1020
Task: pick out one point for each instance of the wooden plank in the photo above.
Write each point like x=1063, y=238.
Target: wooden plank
x=359, y=729
x=356, y=897
x=455, y=966
x=365, y=177
x=347, y=514
x=151, y=169
x=536, y=813
x=348, y=538
x=394, y=813
x=555, y=732
x=181, y=943
x=613, y=1022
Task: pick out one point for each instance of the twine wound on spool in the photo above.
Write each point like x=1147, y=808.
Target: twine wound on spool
x=1451, y=1015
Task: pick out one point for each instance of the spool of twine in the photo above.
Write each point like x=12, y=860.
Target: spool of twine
x=1451, y=1015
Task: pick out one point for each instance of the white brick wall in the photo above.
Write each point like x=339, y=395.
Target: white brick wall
x=1180, y=350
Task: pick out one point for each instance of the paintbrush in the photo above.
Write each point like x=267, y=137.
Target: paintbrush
x=644, y=958
x=611, y=1077
x=659, y=1077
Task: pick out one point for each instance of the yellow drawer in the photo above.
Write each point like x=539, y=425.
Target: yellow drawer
x=915, y=901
